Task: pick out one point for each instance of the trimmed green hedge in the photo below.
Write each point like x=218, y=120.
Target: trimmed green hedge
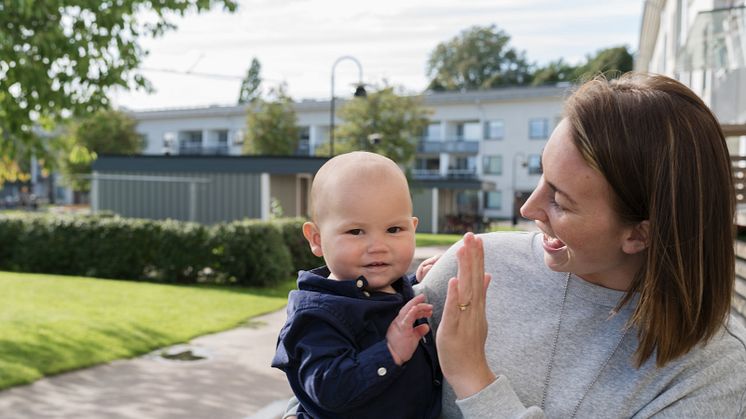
x=292, y=233
x=246, y=252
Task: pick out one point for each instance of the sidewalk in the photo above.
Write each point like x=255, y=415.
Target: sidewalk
x=235, y=381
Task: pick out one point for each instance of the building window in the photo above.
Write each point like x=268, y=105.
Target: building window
x=534, y=164
x=494, y=130
x=538, y=128
x=432, y=132
x=493, y=165
x=222, y=137
x=493, y=200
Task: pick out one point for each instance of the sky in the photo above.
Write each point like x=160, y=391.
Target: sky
x=201, y=63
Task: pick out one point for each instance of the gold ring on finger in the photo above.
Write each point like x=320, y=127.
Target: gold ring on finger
x=462, y=307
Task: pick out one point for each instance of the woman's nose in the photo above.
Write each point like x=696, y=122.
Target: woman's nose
x=532, y=208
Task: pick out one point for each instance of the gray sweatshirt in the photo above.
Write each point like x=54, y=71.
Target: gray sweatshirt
x=593, y=372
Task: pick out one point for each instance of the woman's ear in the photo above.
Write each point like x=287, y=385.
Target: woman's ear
x=638, y=238
x=312, y=234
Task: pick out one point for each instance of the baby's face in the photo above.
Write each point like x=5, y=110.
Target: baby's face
x=368, y=229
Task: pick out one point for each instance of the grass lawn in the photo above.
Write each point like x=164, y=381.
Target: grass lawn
x=52, y=324
x=428, y=239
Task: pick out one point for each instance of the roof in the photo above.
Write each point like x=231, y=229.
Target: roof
x=558, y=92
x=208, y=164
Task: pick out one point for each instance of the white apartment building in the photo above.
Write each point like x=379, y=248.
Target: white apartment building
x=480, y=151
x=701, y=43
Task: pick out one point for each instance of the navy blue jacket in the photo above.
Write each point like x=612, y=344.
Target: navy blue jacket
x=333, y=350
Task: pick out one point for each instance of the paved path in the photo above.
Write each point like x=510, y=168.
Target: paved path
x=235, y=381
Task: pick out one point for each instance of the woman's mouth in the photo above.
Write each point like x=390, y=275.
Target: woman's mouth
x=553, y=244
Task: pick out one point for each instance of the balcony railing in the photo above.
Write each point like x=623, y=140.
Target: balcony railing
x=469, y=147
x=201, y=150
x=434, y=174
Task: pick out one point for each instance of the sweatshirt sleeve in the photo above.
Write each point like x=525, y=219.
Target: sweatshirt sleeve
x=497, y=400
x=330, y=370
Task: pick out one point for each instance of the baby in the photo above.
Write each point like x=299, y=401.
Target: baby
x=352, y=346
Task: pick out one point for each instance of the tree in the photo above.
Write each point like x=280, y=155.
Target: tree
x=384, y=122
x=612, y=62
x=61, y=57
x=478, y=58
x=251, y=83
x=554, y=72
x=271, y=126
x=104, y=132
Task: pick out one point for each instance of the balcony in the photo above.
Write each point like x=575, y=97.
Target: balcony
x=451, y=146
x=434, y=174
x=219, y=150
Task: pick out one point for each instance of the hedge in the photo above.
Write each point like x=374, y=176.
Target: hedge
x=243, y=252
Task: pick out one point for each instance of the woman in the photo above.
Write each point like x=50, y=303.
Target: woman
x=619, y=306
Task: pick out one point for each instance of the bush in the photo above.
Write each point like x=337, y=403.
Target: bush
x=292, y=233
x=250, y=252
x=245, y=252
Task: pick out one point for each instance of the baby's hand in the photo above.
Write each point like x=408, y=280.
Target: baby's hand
x=403, y=336
x=425, y=267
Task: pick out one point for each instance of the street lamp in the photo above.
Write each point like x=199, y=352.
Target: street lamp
x=524, y=163
x=359, y=92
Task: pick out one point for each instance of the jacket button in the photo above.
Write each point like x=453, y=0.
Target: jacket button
x=381, y=372
x=367, y=294
x=359, y=283
x=436, y=383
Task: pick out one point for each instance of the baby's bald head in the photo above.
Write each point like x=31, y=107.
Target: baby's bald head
x=352, y=173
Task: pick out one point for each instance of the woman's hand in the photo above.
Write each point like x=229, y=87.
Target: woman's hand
x=463, y=328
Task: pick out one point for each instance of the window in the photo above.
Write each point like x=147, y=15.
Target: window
x=222, y=136
x=432, y=132
x=538, y=128
x=493, y=200
x=190, y=138
x=494, y=130
x=493, y=165
x=534, y=164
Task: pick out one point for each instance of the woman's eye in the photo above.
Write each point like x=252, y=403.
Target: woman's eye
x=394, y=229
x=553, y=201
x=355, y=231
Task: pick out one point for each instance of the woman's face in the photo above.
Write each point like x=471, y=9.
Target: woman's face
x=572, y=206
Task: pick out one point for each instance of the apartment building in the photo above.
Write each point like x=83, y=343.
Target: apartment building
x=477, y=159
x=701, y=43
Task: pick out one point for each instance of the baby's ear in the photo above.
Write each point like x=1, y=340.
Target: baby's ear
x=415, y=221
x=312, y=234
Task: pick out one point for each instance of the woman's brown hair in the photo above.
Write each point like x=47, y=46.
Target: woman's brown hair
x=663, y=153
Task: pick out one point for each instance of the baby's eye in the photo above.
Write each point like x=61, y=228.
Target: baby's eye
x=394, y=229
x=355, y=231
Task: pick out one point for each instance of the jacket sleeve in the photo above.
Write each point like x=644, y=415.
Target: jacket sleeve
x=330, y=369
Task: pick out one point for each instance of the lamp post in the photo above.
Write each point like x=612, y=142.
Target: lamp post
x=513, y=190
x=359, y=92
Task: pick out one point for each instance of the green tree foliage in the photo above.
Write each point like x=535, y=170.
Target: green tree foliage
x=61, y=57
x=612, y=62
x=478, y=58
x=384, y=122
x=554, y=72
x=271, y=126
x=250, y=86
x=103, y=132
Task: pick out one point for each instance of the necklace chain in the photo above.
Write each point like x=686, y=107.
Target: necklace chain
x=554, y=353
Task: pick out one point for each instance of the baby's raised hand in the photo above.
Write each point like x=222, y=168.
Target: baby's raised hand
x=402, y=335
x=425, y=267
